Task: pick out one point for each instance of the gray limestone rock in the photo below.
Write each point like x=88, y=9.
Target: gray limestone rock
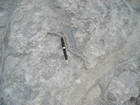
x=102, y=42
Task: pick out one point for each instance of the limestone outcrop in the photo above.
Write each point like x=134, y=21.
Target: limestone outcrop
x=103, y=45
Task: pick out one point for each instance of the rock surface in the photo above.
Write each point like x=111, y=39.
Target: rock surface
x=103, y=45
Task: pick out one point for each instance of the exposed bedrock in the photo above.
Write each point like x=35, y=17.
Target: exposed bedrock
x=103, y=45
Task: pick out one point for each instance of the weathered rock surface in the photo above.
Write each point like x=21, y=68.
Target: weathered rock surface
x=103, y=45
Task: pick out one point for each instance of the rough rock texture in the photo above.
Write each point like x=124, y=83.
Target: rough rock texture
x=103, y=45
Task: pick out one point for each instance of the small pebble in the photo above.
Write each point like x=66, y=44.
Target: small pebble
x=112, y=97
